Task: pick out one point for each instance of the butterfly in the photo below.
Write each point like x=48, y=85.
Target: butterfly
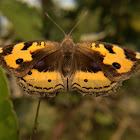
x=45, y=67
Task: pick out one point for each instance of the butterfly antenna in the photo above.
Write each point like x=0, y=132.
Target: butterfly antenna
x=78, y=23
x=55, y=23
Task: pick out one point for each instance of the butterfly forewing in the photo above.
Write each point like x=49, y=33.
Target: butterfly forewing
x=116, y=62
x=20, y=58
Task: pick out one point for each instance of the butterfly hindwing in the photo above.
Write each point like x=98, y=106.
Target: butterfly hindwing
x=44, y=77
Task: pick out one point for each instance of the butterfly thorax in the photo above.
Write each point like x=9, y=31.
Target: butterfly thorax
x=67, y=45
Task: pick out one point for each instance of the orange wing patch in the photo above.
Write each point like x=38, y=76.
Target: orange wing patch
x=34, y=47
x=137, y=55
x=103, y=51
x=1, y=50
x=88, y=82
x=117, y=57
x=18, y=53
x=37, y=81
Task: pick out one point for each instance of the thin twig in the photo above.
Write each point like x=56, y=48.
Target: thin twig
x=121, y=129
x=36, y=120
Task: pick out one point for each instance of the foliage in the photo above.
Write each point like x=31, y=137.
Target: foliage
x=26, y=21
x=8, y=120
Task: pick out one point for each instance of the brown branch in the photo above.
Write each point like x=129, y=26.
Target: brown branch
x=121, y=129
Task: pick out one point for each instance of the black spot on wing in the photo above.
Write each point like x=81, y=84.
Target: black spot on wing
x=27, y=45
x=19, y=61
x=109, y=47
x=85, y=80
x=116, y=65
x=49, y=80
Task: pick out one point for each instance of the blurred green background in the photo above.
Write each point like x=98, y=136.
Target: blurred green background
x=70, y=116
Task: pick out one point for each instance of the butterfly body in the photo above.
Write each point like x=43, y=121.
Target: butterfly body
x=45, y=67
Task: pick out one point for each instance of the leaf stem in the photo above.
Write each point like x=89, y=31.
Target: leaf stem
x=36, y=120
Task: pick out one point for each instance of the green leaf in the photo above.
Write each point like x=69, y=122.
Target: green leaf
x=103, y=119
x=8, y=120
x=135, y=20
x=26, y=20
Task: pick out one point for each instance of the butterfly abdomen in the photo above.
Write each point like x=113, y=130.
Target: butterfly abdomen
x=67, y=64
